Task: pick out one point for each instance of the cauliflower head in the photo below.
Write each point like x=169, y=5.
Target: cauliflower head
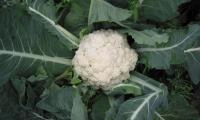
x=104, y=59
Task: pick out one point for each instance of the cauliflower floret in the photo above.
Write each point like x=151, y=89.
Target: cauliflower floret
x=104, y=59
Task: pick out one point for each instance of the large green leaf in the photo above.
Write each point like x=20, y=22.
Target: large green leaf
x=139, y=108
x=65, y=104
x=25, y=45
x=160, y=10
x=143, y=107
x=100, y=107
x=147, y=37
x=115, y=107
x=193, y=63
x=45, y=11
x=162, y=56
x=101, y=10
x=77, y=18
x=79, y=111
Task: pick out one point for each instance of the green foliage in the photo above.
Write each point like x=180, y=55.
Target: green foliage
x=77, y=18
x=178, y=109
x=160, y=10
x=20, y=87
x=181, y=87
x=134, y=7
x=179, y=83
x=193, y=62
x=9, y=106
x=100, y=107
x=38, y=82
x=172, y=52
x=25, y=46
x=103, y=11
x=45, y=12
x=65, y=104
x=155, y=95
x=8, y=3
x=147, y=37
x=127, y=88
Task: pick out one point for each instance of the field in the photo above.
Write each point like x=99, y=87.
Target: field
x=99, y=60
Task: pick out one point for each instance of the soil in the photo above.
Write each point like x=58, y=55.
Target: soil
x=195, y=99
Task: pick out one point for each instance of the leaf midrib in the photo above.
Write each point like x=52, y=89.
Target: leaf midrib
x=167, y=48
x=192, y=50
x=45, y=58
x=72, y=39
x=146, y=101
x=156, y=92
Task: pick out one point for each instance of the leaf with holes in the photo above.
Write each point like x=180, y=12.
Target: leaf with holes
x=25, y=45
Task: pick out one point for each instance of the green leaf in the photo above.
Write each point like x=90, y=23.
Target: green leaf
x=40, y=75
x=87, y=93
x=143, y=107
x=161, y=57
x=77, y=18
x=101, y=10
x=75, y=78
x=34, y=78
x=140, y=108
x=160, y=10
x=148, y=85
x=75, y=81
x=148, y=37
x=100, y=107
x=25, y=45
x=9, y=105
x=114, y=106
x=79, y=111
x=63, y=104
x=193, y=63
x=59, y=103
x=31, y=97
x=45, y=11
x=125, y=88
x=52, y=88
x=19, y=85
x=178, y=109
x=10, y=109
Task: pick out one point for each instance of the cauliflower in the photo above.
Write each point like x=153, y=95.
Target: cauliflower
x=104, y=59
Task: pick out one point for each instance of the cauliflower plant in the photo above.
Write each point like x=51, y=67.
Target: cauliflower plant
x=104, y=59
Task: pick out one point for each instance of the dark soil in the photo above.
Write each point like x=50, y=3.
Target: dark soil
x=195, y=99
